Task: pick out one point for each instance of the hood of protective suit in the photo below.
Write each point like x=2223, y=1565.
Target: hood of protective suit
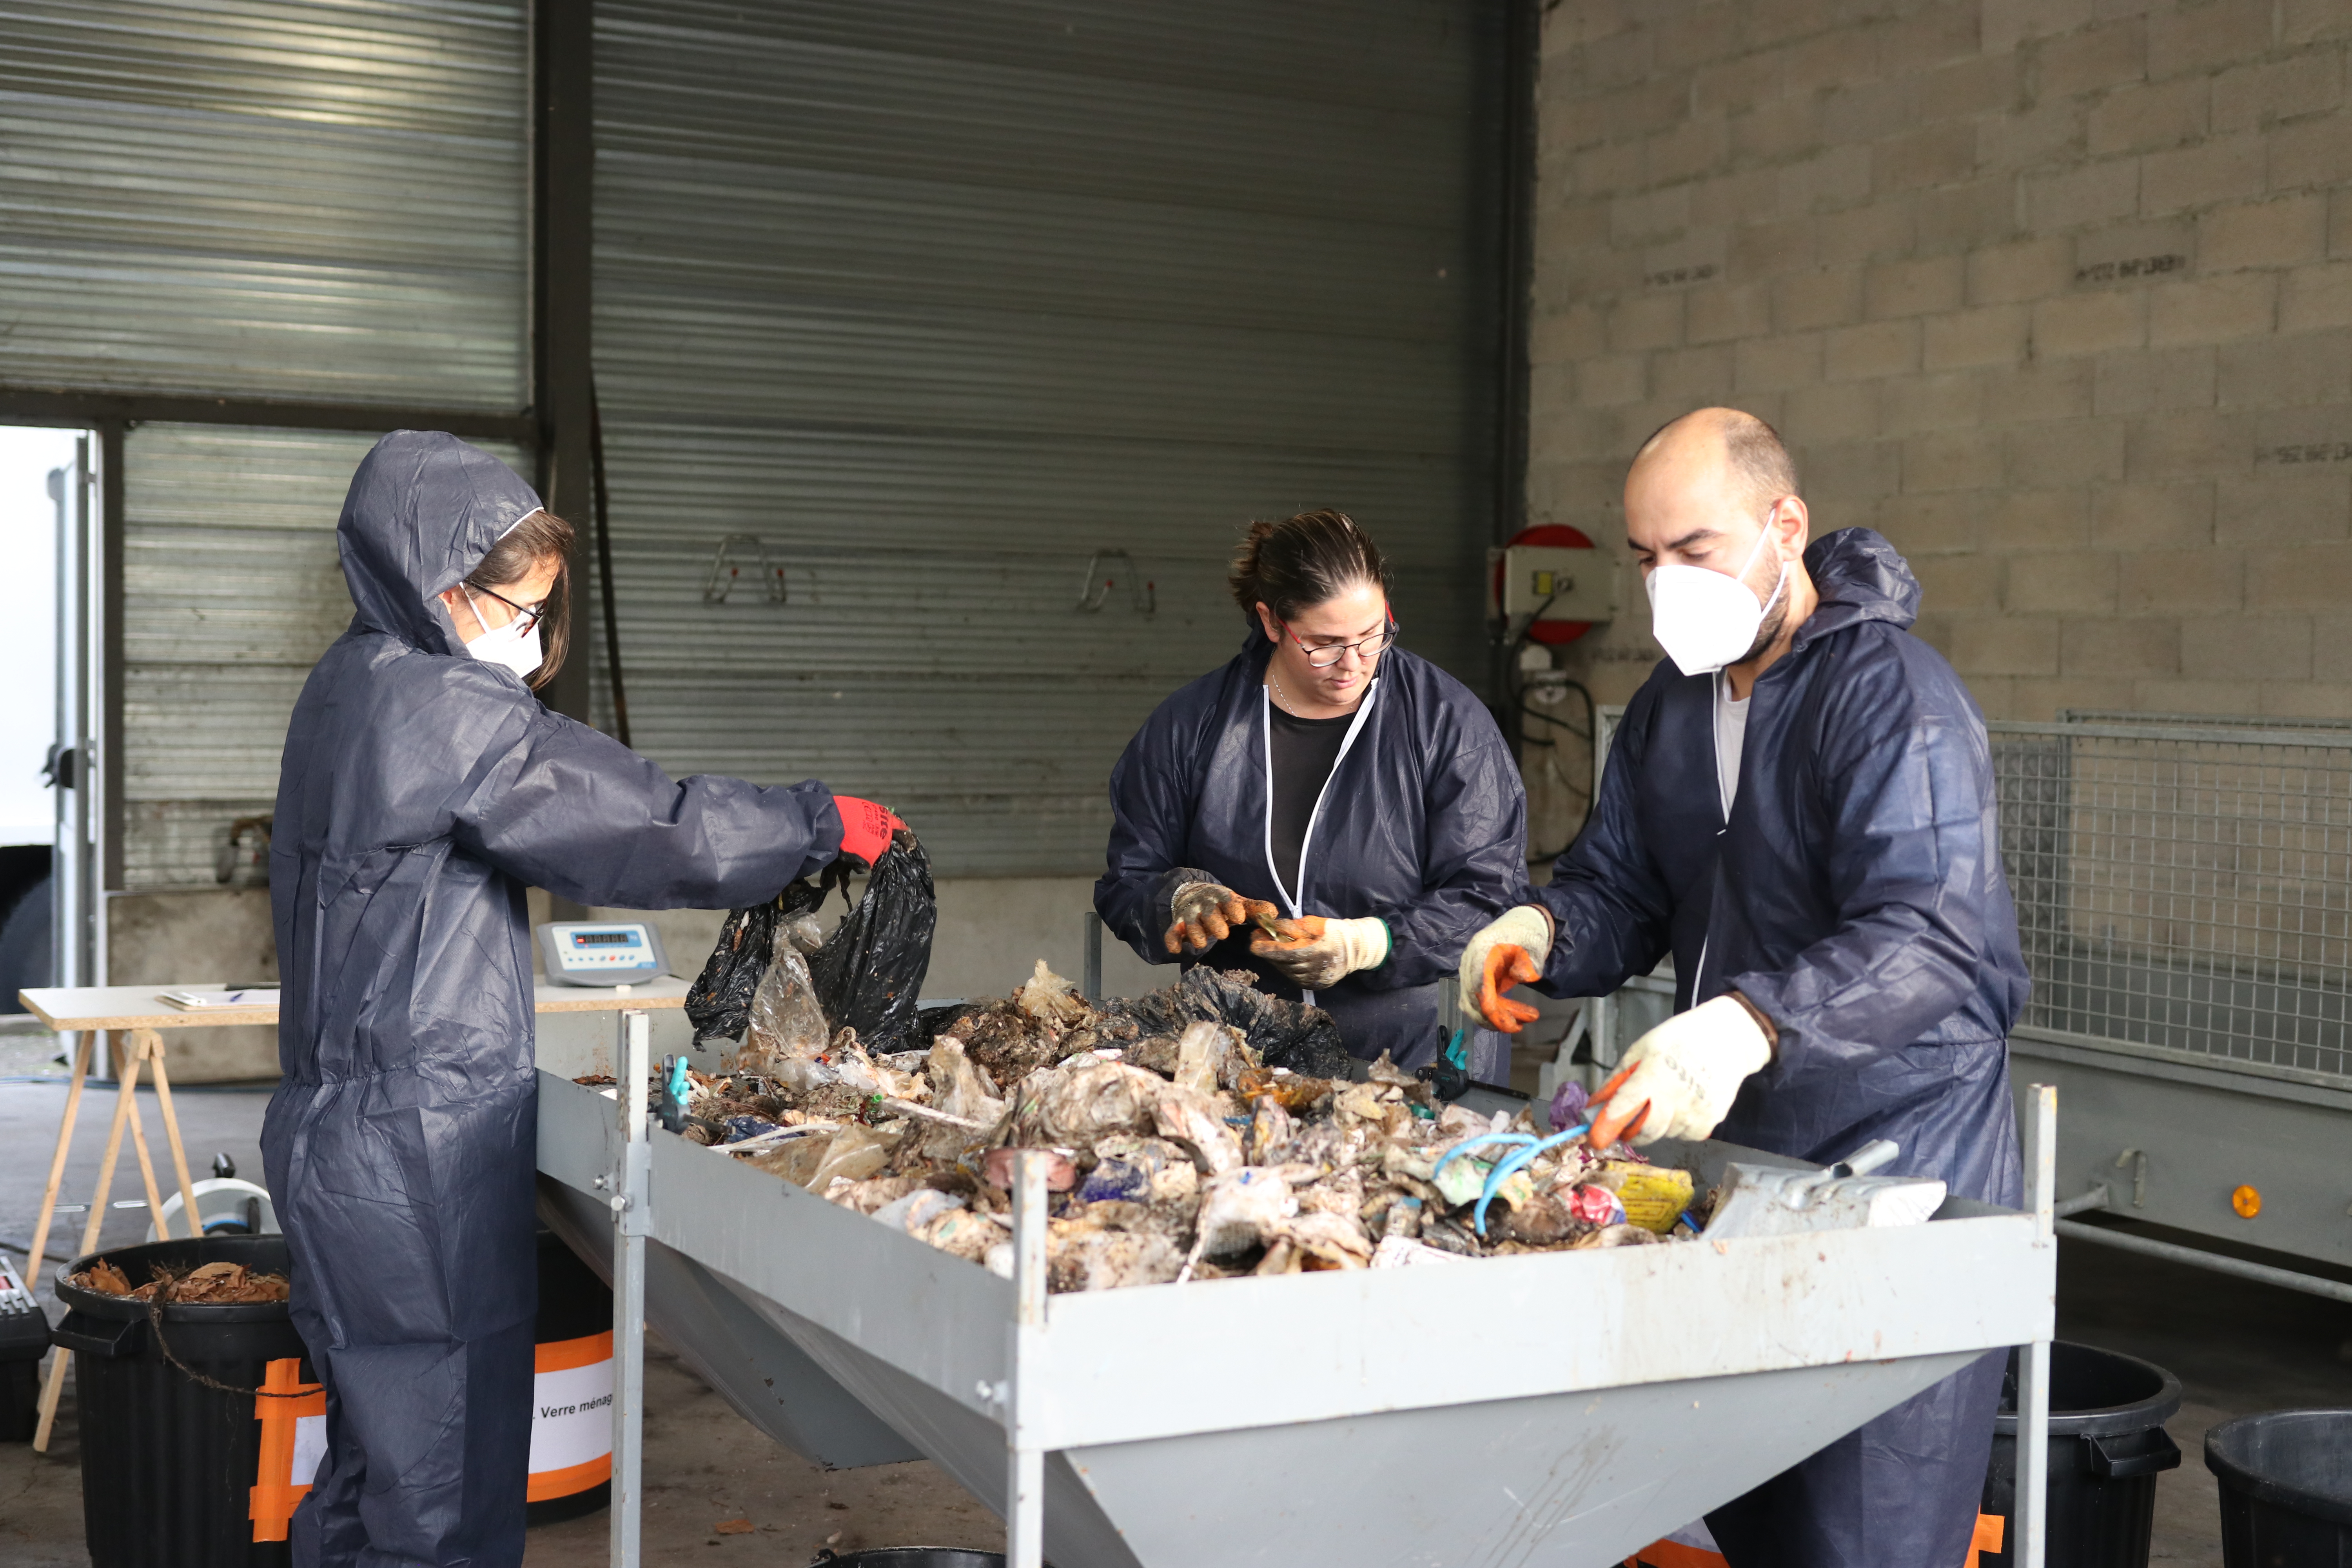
x=1860, y=578
x=423, y=510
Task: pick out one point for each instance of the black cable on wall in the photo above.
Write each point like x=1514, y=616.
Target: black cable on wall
x=605, y=567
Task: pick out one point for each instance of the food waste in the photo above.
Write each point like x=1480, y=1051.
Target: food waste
x=1207, y=1131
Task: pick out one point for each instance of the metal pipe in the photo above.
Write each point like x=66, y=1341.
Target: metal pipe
x=2081, y=1203
x=632, y=1222
x=1093, y=989
x=2262, y=1273
x=1024, y=1500
x=2032, y=1512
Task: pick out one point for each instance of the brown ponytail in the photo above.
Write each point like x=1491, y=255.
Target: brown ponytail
x=537, y=539
x=1302, y=562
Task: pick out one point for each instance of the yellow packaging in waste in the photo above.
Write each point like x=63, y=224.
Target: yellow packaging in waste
x=1654, y=1196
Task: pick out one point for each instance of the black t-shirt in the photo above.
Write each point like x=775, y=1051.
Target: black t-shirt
x=1304, y=752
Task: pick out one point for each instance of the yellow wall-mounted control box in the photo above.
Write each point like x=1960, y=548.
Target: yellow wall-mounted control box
x=1555, y=582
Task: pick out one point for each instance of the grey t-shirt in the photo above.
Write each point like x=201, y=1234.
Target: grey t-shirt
x=1730, y=738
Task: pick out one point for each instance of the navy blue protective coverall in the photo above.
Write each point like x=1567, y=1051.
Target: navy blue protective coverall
x=421, y=791
x=1422, y=823
x=1856, y=897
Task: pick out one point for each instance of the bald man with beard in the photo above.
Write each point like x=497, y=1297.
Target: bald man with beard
x=1799, y=808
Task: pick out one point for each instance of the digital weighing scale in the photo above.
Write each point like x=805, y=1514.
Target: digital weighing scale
x=603, y=952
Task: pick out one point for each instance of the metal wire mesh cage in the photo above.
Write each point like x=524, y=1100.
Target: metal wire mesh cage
x=2185, y=884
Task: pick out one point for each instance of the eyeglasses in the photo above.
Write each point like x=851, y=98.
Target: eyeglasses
x=526, y=615
x=1368, y=648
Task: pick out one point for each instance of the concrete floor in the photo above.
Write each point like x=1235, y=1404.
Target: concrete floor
x=2237, y=1348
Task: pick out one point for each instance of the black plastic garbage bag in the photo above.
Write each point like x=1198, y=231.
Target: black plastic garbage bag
x=718, y=1003
x=869, y=972
x=1284, y=1034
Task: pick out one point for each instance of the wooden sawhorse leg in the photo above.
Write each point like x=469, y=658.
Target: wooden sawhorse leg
x=146, y=1048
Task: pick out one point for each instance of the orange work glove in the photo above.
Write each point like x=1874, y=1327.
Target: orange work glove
x=1610, y=1121
x=1206, y=913
x=1313, y=951
x=1506, y=951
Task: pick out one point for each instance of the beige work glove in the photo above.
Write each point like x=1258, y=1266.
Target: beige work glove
x=1679, y=1079
x=1312, y=952
x=1506, y=951
x=1208, y=912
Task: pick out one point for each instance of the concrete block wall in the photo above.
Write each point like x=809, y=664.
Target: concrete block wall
x=2057, y=294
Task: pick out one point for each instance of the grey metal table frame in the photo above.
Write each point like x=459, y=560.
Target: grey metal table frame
x=1786, y=1342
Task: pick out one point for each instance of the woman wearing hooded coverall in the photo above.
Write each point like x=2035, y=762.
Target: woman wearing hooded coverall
x=423, y=789
x=1351, y=792
x=1799, y=808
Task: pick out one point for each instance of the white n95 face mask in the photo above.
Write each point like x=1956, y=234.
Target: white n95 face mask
x=1704, y=619
x=516, y=648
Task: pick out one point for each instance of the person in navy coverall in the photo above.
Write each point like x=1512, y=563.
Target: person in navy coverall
x=423, y=791
x=1798, y=808
x=1326, y=782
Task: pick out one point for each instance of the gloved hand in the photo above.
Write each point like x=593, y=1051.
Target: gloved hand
x=865, y=827
x=1508, y=950
x=1207, y=912
x=1679, y=1079
x=1312, y=952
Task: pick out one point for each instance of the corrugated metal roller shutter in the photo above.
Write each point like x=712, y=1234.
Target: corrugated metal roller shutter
x=231, y=591
x=298, y=201
x=316, y=201
x=940, y=301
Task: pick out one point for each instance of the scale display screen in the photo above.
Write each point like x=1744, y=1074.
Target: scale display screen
x=613, y=953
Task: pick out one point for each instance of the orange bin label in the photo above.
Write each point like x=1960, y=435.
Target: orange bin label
x=293, y=1441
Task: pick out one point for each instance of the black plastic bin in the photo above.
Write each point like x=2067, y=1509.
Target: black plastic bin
x=2107, y=1446
x=170, y=1468
x=2286, y=1488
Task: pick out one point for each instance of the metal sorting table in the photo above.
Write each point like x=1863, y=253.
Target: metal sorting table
x=1564, y=1408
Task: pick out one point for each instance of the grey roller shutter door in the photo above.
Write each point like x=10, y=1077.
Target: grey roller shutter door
x=284, y=200
x=232, y=589
x=308, y=202
x=944, y=301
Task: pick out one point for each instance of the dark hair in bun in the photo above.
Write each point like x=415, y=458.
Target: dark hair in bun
x=1302, y=562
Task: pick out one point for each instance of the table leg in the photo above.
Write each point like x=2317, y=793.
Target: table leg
x=147, y=1173
x=171, y=1132
x=33, y=1264
x=125, y=1102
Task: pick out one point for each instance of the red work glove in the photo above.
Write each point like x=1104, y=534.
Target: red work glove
x=865, y=827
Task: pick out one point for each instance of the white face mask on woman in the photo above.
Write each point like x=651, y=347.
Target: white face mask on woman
x=1705, y=620
x=514, y=645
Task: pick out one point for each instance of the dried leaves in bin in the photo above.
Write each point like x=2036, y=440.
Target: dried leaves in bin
x=207, y=1285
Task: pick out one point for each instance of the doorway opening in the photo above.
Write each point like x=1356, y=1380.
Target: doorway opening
x=48, y=816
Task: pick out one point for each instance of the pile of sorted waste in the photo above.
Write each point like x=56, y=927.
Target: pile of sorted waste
x=1207, y=1131
x=207, y=1285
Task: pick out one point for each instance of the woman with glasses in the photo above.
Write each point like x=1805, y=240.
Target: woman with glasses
x=423, y=789
x=1329, y=810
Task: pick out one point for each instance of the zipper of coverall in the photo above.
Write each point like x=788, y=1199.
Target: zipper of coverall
x=1265, y=727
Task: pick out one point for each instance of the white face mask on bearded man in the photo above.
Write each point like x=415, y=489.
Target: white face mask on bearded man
x=1706, y=619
